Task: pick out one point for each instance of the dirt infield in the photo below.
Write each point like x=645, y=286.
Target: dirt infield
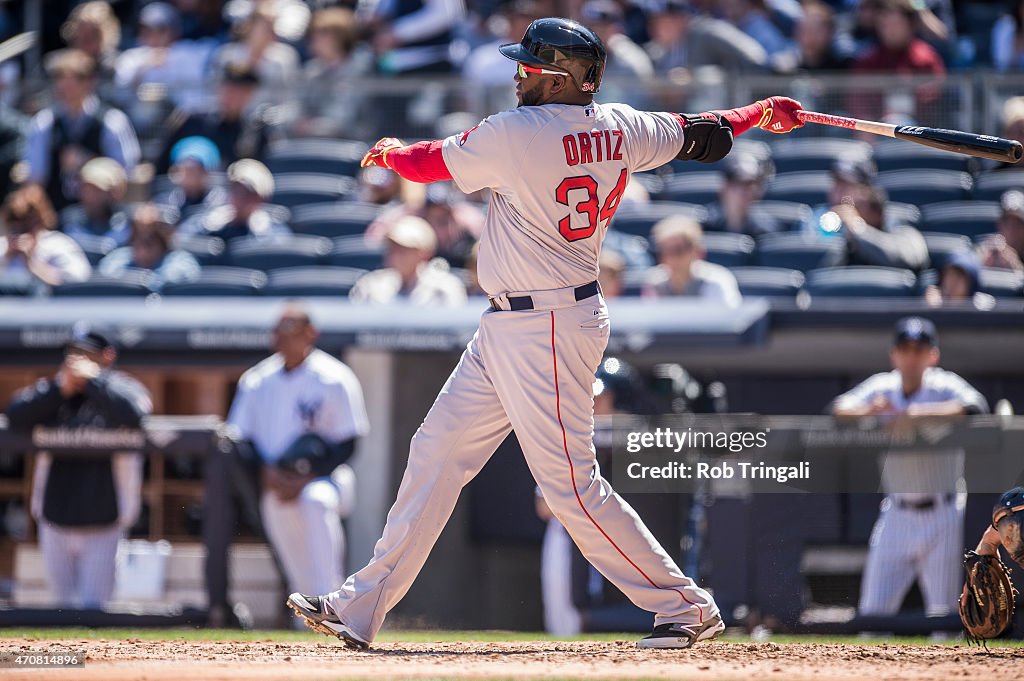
x=309, y=661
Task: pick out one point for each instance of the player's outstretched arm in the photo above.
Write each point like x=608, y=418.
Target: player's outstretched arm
x=419, y=162
x=709, y=135
x=775, y=114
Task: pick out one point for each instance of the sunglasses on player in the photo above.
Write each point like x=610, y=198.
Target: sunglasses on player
x=525, y=70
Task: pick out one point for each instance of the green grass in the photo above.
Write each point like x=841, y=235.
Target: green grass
x=425, y=636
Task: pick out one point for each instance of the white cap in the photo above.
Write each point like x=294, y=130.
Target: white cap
x=254, y=175
x=413, y=232
x=104, y=173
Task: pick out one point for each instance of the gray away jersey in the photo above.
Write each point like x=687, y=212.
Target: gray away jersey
x=557, y=173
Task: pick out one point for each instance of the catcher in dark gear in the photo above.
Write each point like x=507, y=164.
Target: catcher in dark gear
x=987, y=601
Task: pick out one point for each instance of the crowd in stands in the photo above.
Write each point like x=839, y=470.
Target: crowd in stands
x=154, y=162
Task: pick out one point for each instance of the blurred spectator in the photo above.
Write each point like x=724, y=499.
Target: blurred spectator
x=682, y=270
x=900, y=51
x=680, y=38
x=299, y=414
x=745, y=178
x=751, y=17
x=99, y=212
x=32, y=248
x=919, y=530
x=1013, y=128
x=194, y=193
x=379, y=185
x=413, y=36
x=1006, y=249
x=857, y=213
x=250, y=185
x=257, y=48
x=611, y=269
x=202, y=20
x=93, y=28
x=84, y=506
x=76, y=128
x=163, y=58
x=485, y=66
x=1008, y=39
x=958, y=284
x=625, y=57
x=14, y=127
x=239, y=129
x=473, y=288
x=330, y=106
x=149, y=248
x=818, y=47
x=411, y=273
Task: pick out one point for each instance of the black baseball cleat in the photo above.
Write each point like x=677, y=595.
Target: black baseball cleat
x=676, y=635
x=314, y=611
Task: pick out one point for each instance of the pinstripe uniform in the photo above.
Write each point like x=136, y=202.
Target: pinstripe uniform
x=921, y=521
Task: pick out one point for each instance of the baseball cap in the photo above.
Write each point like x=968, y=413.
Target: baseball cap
x=670, y=7
x=860, y=171
x=601, y=11
x=916, y=329
x=253, y=175
x=240, y=74
x=160, y=15
x=743, y=168
x=413, y=232
x=104, y=173
x=199, y=149
x=85, y=337
x=967, y=262
x=1012, y=203
x=1010, y=500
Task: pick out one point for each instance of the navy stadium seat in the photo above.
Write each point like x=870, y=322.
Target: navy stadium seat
x=639, y=218
x=768, y=281
x=220, y=281
x=815, y=153
x=942, y=246
x=207, y=250
x=131, y=283
x=270, y=254
x=328, y=156
x=341, y=218
x=95, y=247
x=898, y=155
x=788, y=214
x=728, y=249
x=353, y=251
x=699, y=188
x=869, y=282
x=902, y=213
x=961, y=217
x=296, y=189
x=926, y=186
x=1001, y=283
x=992, y=185
x=796, y=251
x=810, y=187
x=312, y=281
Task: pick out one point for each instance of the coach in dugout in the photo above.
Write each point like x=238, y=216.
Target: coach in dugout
x=83, y=506
x=297, y=415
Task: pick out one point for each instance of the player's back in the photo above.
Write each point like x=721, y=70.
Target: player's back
x=557, y=174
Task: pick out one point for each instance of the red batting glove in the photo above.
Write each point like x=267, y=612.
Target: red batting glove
x=378, y=155
x=779, y=115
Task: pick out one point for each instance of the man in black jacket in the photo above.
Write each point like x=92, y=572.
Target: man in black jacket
x=83, y=506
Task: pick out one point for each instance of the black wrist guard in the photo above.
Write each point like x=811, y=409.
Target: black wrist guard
x=707, y=138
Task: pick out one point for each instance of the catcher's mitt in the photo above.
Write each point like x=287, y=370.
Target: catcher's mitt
x=988, y=608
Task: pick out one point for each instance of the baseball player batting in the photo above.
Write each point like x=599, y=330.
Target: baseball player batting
x=556, y=166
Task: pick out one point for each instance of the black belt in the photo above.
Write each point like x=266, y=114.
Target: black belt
x=516, y=303
x=924, y=504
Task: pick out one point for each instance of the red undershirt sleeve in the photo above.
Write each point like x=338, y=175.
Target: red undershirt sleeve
x=420, y=162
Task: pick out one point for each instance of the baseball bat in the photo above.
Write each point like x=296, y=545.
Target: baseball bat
x=957, y=141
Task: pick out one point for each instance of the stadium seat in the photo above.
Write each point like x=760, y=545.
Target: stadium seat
x=353, y=251
x=271, y=254
x=638, y=219
x=131, y=283
x=810, y=187
x=868, y=282
x=815, y=153
x=898, y=155
x=633, y=282
x=1001, y=283
x=312, y=281
x=768, y=281
x=789, y=214
x=95, y=247
x=220, y=281
x=207, y=250
x=743, y=145
x=296, y=189
x=343, y=218
x=926, y=186
x=902, y=213
x=960, y=217
x=728, y=249
x=327, y=156
x=795, y=251
x=942, y=246
x=699, y=188
x=992, y=185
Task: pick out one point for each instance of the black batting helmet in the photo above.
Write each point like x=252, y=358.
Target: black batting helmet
x=565, y=44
